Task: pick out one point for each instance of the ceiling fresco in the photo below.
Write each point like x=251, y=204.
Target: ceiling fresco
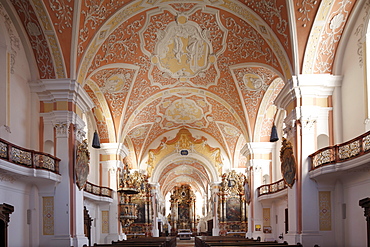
x=156, y=69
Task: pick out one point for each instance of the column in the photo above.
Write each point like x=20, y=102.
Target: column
x=61, y=99
x=215, y=197
x=155, y=189
x=111, y=159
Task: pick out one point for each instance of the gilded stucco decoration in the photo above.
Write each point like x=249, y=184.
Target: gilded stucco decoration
x=183, y=141
x=232, y=203
x=183, y=47
x=288, y=163
x=184, y=111
x=233, y=183
x=82, y=164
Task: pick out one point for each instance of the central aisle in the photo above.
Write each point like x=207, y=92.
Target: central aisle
x=185, y=243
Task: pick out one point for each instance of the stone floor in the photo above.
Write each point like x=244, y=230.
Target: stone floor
x=185, y=243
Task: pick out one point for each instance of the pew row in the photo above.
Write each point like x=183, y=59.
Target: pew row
x=221, y=241
x=143, y=242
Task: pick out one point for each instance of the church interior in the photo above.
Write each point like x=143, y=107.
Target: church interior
x=126, y=120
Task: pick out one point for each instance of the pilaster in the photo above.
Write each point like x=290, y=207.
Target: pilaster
x=260, y=157
x=62, y=103
x=308, y=102
x=111, y=155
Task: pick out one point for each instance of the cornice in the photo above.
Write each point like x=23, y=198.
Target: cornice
x=50, y=91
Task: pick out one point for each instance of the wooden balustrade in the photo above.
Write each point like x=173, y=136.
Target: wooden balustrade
x=271, y=188
x=342, y=152
x=28, y=158
x=98, y=190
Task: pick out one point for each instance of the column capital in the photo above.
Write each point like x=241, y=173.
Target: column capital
x=62, y=129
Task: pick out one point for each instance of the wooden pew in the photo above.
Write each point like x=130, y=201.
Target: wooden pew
x=143, y=242
x=221, y=241
x=149, y=241
x=200, y=241
x=131, y=244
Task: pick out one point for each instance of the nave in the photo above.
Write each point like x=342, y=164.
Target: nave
x=144, y=118
x=197, y=241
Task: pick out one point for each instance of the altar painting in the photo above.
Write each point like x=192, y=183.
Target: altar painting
x=140, y=210
x=233, y=210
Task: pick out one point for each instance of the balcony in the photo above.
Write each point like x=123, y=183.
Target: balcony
x=351, y=155
x=272, y=191
x=98, y=193
x=15, y=160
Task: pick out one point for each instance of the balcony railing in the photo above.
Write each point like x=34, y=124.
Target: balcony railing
x=341, y=152
x=98, y=190
x=271, y=188
x=28, y=158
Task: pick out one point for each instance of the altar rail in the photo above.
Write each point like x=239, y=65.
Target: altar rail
x=28, y=158
x=271, y=188
x=341, y=152
x=98, y=190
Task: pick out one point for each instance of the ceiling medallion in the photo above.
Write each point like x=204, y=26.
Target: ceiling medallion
x=183, y=50
x=253, y=81
x=177, y=111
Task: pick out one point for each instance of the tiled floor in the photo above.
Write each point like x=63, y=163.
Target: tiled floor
x=185, y=243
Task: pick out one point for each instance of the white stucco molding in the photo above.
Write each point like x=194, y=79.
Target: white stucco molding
x=63, y=117
x=114, y=148
x=318, y=85
x=258, y=148
x=312, y=85
x=50, y=91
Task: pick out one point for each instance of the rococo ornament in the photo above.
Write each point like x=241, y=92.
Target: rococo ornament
x=288, y=164
x=82, y=164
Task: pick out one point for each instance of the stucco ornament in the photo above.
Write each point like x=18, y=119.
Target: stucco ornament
x=288, y=164
x=82, y=164
x=184, y=50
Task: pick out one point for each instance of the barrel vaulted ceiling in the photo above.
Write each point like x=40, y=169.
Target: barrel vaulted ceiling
x=207, y=70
